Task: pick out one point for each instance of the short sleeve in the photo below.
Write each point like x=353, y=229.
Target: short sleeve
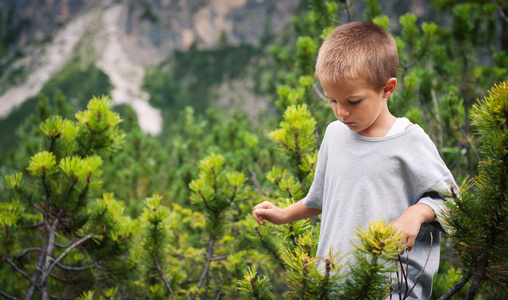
x=436, y=200
x=314, y=198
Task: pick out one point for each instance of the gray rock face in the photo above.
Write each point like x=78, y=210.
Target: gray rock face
x=125, y=37
x=164, y=25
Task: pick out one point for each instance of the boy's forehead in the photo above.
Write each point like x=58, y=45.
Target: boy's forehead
x=343, y=88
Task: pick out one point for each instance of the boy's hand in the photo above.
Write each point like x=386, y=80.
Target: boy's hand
x=410, y=221
x=268, y=211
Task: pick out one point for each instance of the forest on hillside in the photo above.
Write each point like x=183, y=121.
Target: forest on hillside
x=93, y=208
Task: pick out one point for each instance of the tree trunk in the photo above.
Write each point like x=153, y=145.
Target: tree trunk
x=43, y=262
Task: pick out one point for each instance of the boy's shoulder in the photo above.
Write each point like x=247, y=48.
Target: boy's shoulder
x=336, y=125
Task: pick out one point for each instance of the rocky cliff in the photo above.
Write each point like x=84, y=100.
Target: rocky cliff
x=123, y=37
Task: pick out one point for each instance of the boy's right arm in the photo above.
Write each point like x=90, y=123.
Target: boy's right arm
x=294, y=212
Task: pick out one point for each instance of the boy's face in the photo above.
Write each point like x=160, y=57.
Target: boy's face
x=362, y=109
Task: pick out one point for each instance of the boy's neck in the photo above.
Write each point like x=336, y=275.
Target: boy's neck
x=381, y=126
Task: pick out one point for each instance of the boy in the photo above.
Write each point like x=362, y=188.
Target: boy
x=371, y=165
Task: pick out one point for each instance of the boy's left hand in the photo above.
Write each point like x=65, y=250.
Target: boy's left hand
x=410, y=221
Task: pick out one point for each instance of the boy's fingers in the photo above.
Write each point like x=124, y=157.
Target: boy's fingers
x=264, y=204
x=258, y=217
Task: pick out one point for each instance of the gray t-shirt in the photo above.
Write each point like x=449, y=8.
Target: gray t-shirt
x=359, y=179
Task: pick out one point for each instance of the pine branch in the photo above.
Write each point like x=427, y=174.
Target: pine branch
x=42, y=263
x=219, y=258
x=322, y=12
x=61, y=298
x=404, y=275
x=29, y=250
x=63, y=246
x=298, y=157
x=463, y=89
x=18, y=270
x=92, y=266
x=164, y=279
x=72, y=246
x=66, y=200
x=46, y=191
x=88, y=146
x=85, y=190
x=204, y=201
x=33, y=226
x=8, y=296
x=270, y=249
x=294, y=239
x=424, y=266
x=204, y=274
x=457, y=287
x=27, y=198
x=348, y=11
x=415, y=61
x=255, y=181
x=232, y=199
x=501, y=12
x=438, y=120
x=219, y=292
x=59, y=278
x=319, y=93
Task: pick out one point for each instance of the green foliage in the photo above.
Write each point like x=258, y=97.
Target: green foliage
x=98, y=128
x=79, y=79
x=255, y=286
x=11, y=213
x=57, y=195
x=479, y=216
x=375, y=255
x=191, y=75
x=296, y=139
x=372, y=10
x=155, y=218
x=193, y=235
x=368, y=276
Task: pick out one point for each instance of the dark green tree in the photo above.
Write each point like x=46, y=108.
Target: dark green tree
x=479, y=215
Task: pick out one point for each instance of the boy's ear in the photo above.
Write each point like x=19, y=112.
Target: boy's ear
x=389, y=87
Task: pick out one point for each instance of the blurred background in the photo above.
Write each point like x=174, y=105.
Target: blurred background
x=154, y=56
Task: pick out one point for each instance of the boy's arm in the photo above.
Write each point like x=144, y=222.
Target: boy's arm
x=410, y=221
x=294, y=212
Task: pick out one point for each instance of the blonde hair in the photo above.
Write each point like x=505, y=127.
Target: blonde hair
x=360, y=51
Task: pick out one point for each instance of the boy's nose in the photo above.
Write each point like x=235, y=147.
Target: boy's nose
x=341, y=111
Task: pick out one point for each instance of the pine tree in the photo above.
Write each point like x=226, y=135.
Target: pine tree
x=479, y=216
x=78, y=234
x=217, y=192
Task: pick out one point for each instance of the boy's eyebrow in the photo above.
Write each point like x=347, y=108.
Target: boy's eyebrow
x=355, y=96
x=349, y=97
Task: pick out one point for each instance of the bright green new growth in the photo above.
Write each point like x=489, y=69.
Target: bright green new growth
x=295, y=137
x=255, y=286
x=368, y=275
x=380, y=239
x=98, y=128
x=375, y=260
x=42, y=163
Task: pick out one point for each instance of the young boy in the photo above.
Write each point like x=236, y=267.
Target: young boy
x=371, y=165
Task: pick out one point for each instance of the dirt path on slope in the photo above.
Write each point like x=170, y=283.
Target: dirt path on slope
x=54, y=58
x=126, y=77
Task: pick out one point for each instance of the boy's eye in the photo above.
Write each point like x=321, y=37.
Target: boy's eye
x=354, y=102
x=333, y=101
